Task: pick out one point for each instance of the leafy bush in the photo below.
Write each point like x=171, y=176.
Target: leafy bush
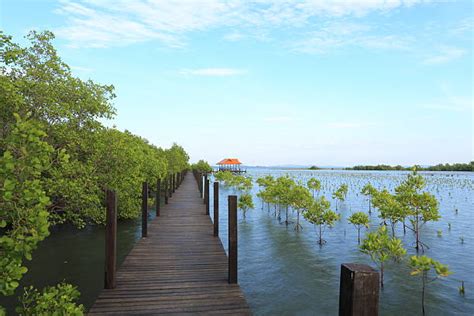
x=53, y=300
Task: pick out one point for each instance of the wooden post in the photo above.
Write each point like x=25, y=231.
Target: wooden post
x=110, y=240
x=206, y=195
x=165, y=189
x=173, y=181
x=144, y=209
x=158, y=197
x=232, y=220
x=216, y=209
x=170, y=185
x=359, y=290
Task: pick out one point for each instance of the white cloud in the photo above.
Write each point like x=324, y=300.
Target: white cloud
x=213, y=72
x=446, y=54
x=103, y=23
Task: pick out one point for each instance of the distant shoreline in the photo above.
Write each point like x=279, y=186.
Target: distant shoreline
x=457, y=167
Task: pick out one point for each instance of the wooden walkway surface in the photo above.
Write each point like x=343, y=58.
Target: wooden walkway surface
x=180, y=268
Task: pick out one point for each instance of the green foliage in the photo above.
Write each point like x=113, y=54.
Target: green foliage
x=23, y=202
x=381, y=247
x=301, y=201
x=341, y=193
x=178, y=159
x=238, y=182
x=54, y=300
x=359, y=220
x=314, y=184
x=422, y=265
x=320, y=214
x=245, y=203
x=389, y=207
x=370, y=191
x=201, y=166
x=439, y=167
x=419, y=207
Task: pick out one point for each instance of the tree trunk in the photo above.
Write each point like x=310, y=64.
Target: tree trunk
x=381, y=275
x=358, y=235
x=417, y=234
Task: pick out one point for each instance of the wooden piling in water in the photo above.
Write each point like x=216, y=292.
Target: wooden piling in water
x=144, y=209
x=232, y=229
x=359, y=290
x=158, y=197
x=170, y=185
x=216, y=209
x=110, y=240
x=173, y=182
x=206, y=195
x=165, y=189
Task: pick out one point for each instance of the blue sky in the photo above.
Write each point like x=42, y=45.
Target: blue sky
x=276, y=82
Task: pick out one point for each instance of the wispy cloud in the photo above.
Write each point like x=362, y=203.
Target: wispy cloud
x=350, y=125
x=213, y=72
x=452, y=104
x=104, y=23
x=81, y=69
x=338, y=34
x=279, y=119
x=445, y=54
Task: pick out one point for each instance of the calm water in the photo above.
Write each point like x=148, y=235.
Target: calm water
x=284, y=272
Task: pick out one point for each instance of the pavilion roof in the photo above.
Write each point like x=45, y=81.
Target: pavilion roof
x=229, y=161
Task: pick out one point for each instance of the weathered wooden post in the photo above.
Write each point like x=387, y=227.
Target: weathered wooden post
x=165, y=189
x=359, y=290
x=232, y=220
x=170, y=185
x=206, y=195
x=158, y=197
x=199, y=181
x=144, y=209
x=110, y=240
x=173, y=181
x=216, y=209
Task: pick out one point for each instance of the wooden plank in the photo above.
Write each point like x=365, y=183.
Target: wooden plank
x=180, y=268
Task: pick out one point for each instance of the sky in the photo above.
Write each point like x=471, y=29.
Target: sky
x=310, y=82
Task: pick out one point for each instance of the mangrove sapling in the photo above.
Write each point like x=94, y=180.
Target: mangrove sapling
x=283, y=187
x=300, y=201
x=369, y=191
x=340, y=194
x=245, y=203
x=389, y=208
x=420, y=207
x=381, y=247
x=422, y=265
x=314, y=185
x=320, y=214
x=359, y=220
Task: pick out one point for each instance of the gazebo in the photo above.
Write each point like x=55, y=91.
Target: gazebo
x=230, y=164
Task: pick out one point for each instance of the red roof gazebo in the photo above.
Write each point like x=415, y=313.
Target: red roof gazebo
x=230, y=164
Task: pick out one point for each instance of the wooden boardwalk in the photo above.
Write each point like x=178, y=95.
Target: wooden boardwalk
x=180, y=268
